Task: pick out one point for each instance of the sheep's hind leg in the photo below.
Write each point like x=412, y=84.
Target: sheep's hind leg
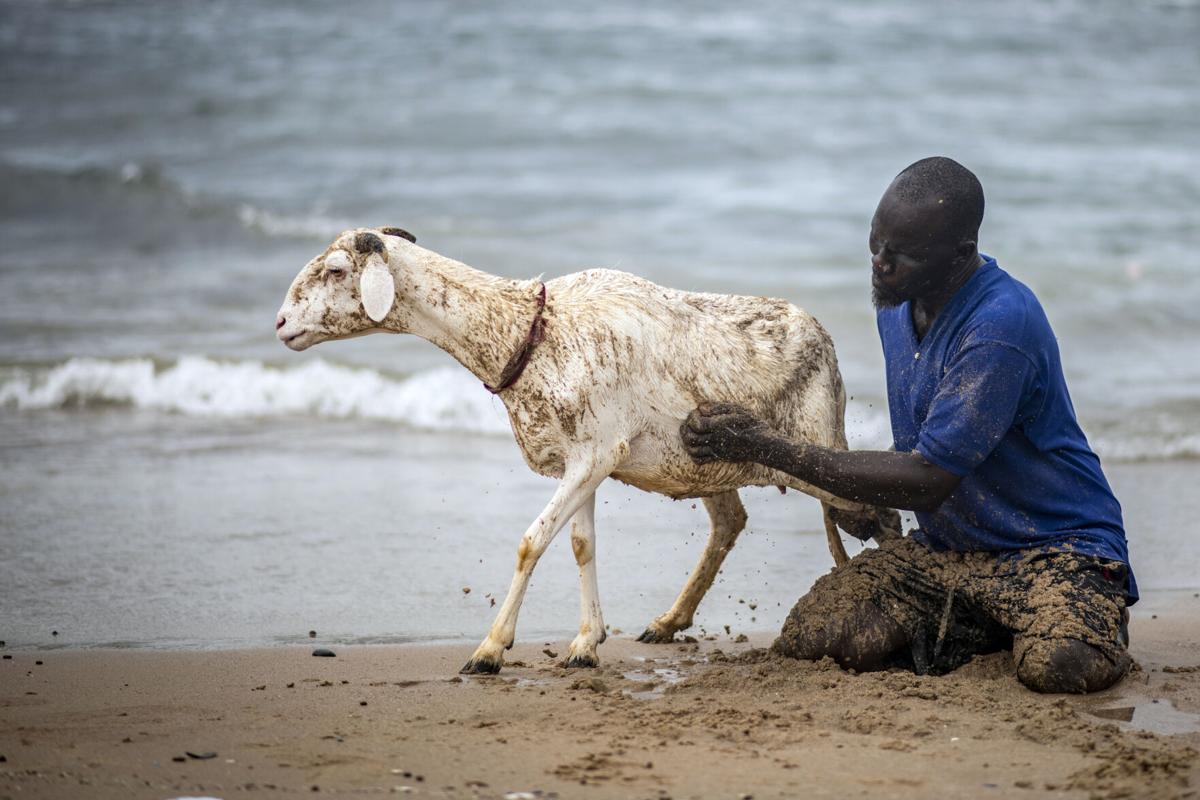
x=591, y=621
x=728, y=519
x=578, y=484
x=836, y=548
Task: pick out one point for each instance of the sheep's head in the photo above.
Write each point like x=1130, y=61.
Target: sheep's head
x=349, y=290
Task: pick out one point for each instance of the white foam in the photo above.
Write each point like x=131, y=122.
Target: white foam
x=314, y=226
x=442, y=399
x=1157, y=446
x=446, y=398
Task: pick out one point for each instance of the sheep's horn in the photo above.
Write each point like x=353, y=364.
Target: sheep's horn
x=403, y=234
x=338, y=259
x=368, y=243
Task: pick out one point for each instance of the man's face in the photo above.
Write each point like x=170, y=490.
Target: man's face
x=912, y=252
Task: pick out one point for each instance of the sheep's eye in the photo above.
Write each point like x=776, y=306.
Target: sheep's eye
x=336, y=272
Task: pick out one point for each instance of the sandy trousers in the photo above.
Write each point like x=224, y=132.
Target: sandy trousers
x=904, y=605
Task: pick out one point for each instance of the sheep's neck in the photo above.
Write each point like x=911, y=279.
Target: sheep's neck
x=479, y=319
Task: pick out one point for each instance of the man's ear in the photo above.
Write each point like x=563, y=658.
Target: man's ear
x=966, y=247
x=377, y=288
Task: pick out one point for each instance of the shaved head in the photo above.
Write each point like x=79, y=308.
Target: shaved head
x=944, y=182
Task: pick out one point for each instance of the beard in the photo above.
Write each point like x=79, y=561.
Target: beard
x=883, y=297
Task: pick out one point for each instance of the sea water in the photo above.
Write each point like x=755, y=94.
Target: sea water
x=170, y=475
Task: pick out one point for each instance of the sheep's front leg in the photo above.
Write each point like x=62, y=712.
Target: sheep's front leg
x=728, y=519
x=578, y=484
x=591, y=622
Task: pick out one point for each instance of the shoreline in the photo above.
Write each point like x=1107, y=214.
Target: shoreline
x=1152, y=603
x=654, y=721
x=197, y=553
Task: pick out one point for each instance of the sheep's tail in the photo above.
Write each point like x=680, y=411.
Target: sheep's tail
x=836, y=548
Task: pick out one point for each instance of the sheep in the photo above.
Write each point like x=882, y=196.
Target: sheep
x=597, y=370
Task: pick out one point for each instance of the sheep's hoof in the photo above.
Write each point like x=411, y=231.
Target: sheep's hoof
x=585, y=661
x=481, y=666
x=654, y=636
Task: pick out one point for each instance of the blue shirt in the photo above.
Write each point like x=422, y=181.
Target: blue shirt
x=983, y=396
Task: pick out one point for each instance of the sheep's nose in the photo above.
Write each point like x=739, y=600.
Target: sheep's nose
x=280, y=321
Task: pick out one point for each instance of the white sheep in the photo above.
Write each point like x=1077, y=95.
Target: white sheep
x=597, y=370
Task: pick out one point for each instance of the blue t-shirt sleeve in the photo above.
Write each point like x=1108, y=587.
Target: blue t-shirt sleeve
x=977, y=402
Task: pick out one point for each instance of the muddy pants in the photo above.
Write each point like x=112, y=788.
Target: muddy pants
x=904, y=605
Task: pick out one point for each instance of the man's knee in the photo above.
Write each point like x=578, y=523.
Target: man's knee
x=1068, y=666
x=804, y=636
x=863, y=639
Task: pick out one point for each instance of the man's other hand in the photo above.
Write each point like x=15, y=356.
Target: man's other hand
x=724, y=432
x=859, y=525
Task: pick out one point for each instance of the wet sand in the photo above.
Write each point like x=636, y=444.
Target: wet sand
x=712, y=719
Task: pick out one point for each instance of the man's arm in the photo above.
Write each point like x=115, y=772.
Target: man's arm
x=726, y=432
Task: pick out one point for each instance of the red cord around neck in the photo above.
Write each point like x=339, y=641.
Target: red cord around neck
x=516, y=365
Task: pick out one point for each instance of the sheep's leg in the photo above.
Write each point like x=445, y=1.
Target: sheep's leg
x=578, y=484
x=591, y=622
x=836, y=548
x=728, y=519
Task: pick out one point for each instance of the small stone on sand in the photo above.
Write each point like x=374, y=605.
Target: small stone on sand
x=323, y=652
x=595, y=684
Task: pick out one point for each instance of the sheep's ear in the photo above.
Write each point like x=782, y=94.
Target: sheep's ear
x=377, y=288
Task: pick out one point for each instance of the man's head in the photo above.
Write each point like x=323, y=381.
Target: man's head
x=925, y=230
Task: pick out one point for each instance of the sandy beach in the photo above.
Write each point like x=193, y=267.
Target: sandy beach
x=183, y=498
x=707, y=719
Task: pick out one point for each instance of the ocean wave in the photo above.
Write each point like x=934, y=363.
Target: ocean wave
x=1157, y=446
x=445, y=398
x=104, y=183
x=442, y=399
x=141, y=174
x=312, y=226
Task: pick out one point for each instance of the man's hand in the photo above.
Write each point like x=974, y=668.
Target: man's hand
x=724, y=432
x=860, y=526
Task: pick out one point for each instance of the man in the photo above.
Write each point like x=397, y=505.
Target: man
x=1020, y=541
